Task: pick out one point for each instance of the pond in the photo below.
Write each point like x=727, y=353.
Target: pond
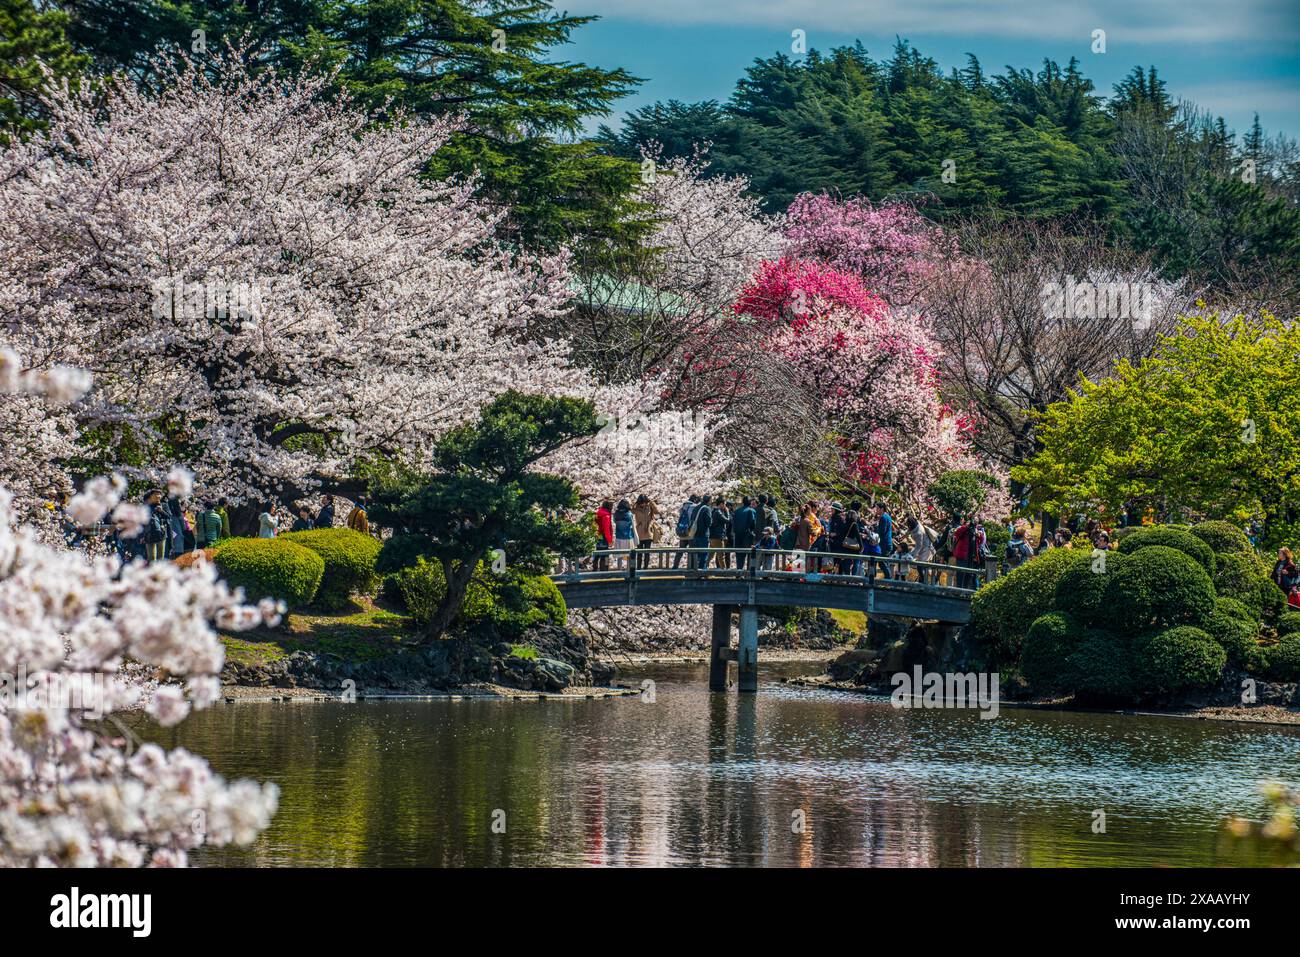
x=790, y=777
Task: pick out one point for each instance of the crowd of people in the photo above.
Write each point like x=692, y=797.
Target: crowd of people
x=720, y=531
x=175, y=526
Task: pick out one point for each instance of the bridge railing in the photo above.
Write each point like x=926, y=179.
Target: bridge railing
x=773, y=564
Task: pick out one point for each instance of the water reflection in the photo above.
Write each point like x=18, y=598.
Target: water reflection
x=790, y=777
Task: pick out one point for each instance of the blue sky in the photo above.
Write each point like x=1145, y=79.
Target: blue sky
x=1233, y=57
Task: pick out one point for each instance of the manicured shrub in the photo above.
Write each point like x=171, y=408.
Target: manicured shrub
x=1288, y=624
x=1170, y=537
x=271, y=568
x=401, y=551
x=1244, y=577
x=1157, y=587
x=349, y=563
x=1003, y=610
x=523, y=601
x=1081, y=590
x=1223, y=537
x=1045, y=660
x=1102, y=666
x=1283, y=659
x=1235, y=609
x=1238, y=638
x=1180, y=659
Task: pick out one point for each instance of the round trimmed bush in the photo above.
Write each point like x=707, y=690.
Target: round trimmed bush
x=1045, y=657
x=271, y=568
x=1081, y=590
x=1284, y=659
x=1003, y=610
x=524, y=601
x=1238, y=638
x=1157, y=587
x=1223, y=537
x=349, y=563
x=1244, y=577
x=1288, y=624
x=1170, y=537
x=1180, y=659
x=1102, y=666
x=1235, y=609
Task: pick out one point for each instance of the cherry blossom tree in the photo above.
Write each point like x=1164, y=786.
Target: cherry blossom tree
x=264, y=286
x=81, y=639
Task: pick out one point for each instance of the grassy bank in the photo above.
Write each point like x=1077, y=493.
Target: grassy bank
x=360, y=633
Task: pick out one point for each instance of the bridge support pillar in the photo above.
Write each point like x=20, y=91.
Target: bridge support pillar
x=747, y=654
x=719, y=656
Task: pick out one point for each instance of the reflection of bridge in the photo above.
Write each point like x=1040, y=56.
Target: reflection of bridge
x=750, y=578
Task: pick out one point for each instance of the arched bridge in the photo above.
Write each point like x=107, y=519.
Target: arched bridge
x=740, y=580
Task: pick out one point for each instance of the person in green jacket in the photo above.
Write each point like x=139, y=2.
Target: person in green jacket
x=209, y=526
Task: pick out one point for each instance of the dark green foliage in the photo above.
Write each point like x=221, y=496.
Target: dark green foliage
x=30, y=37
x=1223, y=537
x=961, y=492
x=1103, y=666
x=996, y=537
x=1157, y=587
x=484, y=498
x=524, y=601
x=511, y=603
x=1177, y=538
x=1002, y=611
x=1244, y=577
x=1081, y=590
x=1235, y=609
x=1284, y=659
x=1179, y=659
x=401, y=551
x=1045, y=660
x=1289, y=623
x=271, y=568
x=1237, y=637
x=349, y=563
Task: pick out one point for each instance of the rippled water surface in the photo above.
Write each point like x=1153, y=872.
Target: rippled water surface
x=695, y=778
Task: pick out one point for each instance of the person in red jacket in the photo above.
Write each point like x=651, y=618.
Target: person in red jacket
x=604, y=532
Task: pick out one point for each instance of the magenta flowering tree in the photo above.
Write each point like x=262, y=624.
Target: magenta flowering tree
x=891, y=247
x=865, y=374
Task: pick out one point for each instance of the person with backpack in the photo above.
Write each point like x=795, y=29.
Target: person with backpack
x=358, y=520
x=1018, y=551
x=683, y=528
x=625, y=537
x=770, y=516
x=698, y=533
x=157, y=528
x=208, y=526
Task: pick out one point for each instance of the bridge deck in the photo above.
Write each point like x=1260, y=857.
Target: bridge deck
x=770, y=578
